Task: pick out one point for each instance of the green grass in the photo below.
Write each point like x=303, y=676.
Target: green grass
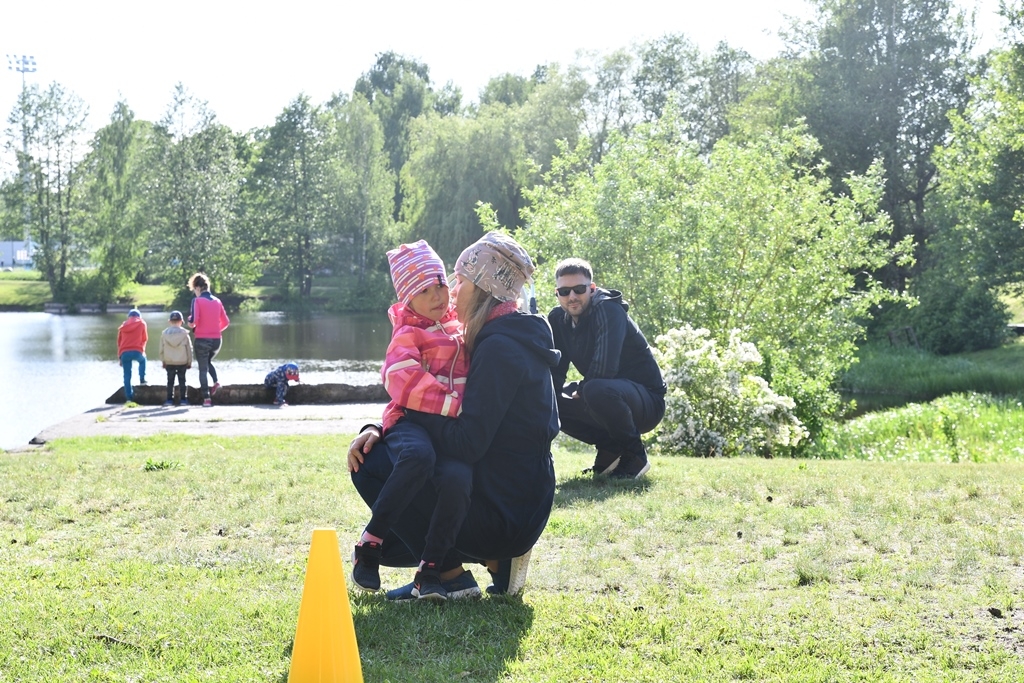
x=1015, y=307
x=919, y=375
x=182, y=559
x=150, y=295
x=23, y=294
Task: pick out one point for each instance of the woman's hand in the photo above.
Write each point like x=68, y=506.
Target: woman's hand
x=360, y=446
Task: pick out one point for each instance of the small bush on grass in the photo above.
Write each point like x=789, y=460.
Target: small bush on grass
x=716, y=403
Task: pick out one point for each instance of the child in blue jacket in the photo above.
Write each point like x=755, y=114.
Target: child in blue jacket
x=278, y=381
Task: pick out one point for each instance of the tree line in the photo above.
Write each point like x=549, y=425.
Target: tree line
x=870, y=176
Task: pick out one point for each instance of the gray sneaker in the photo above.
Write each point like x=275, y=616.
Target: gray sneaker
x=462, y=587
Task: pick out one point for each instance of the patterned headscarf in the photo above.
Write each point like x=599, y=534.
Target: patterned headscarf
x=496, y=263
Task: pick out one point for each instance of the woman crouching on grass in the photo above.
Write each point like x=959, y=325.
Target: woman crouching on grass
x=509, y=419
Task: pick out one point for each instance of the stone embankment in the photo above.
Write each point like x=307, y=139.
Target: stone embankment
x=238, y=410
x=257, y=394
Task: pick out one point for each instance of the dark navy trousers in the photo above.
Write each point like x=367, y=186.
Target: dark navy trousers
x=412, y=463
x=610, y=413
x=485, y=532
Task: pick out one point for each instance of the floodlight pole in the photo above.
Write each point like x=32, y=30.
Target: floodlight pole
x=23, y=64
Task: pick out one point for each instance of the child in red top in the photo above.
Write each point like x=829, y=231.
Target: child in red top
x=425, y=369
x=132, y=336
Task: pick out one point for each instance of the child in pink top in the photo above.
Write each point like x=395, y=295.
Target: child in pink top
x=208, y=322
x=425, y=369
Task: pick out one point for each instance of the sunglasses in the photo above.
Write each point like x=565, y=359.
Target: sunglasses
x=578, y=289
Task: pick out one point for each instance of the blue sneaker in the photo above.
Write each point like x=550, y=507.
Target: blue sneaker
x=510, y=578
x=462, y=587
x=427, y=584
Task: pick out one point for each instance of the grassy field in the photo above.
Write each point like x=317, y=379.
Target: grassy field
x=174, y=559
x=23, y=289
x=26, y=290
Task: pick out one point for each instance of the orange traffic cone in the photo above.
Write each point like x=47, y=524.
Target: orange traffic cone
x=325, y=648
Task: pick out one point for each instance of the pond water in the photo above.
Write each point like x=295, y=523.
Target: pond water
x=57, y=366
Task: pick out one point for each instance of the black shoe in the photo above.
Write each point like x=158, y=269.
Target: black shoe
x=606, y=462
x=366, y=567
x=427, y=584
x=633, y=465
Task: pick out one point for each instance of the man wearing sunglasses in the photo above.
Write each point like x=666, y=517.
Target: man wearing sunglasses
x=622, y=394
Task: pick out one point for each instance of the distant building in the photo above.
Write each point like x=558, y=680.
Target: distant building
x=17, y=254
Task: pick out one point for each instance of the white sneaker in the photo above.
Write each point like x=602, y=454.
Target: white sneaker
x=517, y=575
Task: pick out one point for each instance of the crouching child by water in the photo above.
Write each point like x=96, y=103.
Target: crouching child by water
x=278, y=381
x=176, y=356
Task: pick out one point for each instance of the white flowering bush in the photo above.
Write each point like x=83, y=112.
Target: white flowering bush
x=717, y=404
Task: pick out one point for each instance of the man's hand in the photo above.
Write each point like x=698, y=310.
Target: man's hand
x=360, y=446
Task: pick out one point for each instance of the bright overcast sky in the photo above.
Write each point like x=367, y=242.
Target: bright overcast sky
x=249, y=60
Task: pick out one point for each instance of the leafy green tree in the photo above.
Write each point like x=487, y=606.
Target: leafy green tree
x=508, y=89
x=609, y=105
x=191, y=198
x=552, y=115
x=457, y=163
x=703, y=88
x=448, y=100
x=667, y=68
x=490, y=155
x=46, y=131
x=720, y=80
x=364, y=200
x=982, y=170
x=882, y=76
x=116, y=233
x=295, y=179
x=751, y=239
x=398, y=90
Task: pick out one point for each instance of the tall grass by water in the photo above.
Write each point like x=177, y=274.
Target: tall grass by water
x=182, y=559
x=917, y=375
x=960, y=427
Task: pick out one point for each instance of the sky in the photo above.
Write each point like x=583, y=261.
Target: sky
x=249, y=60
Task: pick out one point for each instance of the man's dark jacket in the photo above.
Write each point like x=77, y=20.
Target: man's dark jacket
x=604, y=344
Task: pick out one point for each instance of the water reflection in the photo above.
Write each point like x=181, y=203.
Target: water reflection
x=55, y=366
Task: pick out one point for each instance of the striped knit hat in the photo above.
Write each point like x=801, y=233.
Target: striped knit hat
x=415, y=267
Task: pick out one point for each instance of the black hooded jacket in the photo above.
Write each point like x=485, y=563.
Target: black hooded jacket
x=509, y=418
x=604, y=344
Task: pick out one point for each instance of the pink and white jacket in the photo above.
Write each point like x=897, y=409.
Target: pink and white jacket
x=425, y=366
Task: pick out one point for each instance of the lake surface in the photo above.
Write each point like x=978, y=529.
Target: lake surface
x=53, y=367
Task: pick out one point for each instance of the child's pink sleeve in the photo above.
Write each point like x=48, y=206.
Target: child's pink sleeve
x=412, y=386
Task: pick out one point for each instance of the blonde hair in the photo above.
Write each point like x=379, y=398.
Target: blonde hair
x=481, y=304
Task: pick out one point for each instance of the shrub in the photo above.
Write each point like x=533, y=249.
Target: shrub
x=955, y=316
x=717, y=404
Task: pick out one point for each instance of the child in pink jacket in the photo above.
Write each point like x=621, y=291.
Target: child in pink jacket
x=424, y=369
